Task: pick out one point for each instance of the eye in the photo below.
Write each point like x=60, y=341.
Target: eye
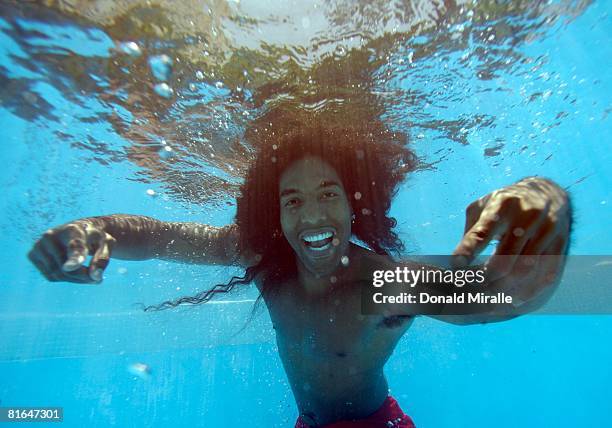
x=329, y=195
x=292, y=202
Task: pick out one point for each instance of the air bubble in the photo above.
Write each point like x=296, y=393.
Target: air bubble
x=130, y=48
x=161, y=66
x=335, y=242
x=151, y=192
x=219, y=85
x=357, y=195
x=166, y=152
x=518, y=232
x=199, y=75
x=141, y=370
x=344, y=260
x=163, y=90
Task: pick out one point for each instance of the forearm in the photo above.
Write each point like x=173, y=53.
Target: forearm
x=141, y=238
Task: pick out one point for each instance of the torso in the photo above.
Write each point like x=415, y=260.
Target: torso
x=332, y=354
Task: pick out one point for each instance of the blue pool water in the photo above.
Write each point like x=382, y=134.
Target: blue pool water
x=82, y=126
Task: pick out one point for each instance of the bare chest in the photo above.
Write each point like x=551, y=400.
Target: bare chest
x=331, y=335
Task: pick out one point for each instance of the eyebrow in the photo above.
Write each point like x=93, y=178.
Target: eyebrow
x=324, y=183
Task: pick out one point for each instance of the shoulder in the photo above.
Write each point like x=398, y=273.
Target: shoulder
x=364, y=262
x=370, y=261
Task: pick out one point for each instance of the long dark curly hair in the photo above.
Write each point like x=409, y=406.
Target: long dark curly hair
x=370, y=160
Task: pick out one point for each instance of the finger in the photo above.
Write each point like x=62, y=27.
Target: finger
x=101, y=258
x=472, y=213
x=74, y=238
x=511, y=247
x=53, y=253
x=554, y=258
x=513, y=285
x=538, y=243
x=80, y=275
x=477, y=238
x=540, y=289
x=39, y=261
x=50, y=252
x=540, y=278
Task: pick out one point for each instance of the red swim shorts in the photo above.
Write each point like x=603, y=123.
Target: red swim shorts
x=389, y=415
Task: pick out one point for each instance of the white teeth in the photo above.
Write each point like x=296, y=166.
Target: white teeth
x=317, y=237
x=323, y=248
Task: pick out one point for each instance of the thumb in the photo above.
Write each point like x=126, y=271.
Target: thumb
x=101, y=258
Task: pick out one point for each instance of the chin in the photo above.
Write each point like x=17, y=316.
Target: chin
x=323, y=266
x=321, y=271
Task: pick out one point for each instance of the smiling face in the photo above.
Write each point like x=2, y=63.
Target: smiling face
x=315, y=215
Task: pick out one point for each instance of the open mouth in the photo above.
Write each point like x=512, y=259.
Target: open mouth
x=318, y=241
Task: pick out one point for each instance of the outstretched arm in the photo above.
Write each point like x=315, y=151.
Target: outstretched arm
x=141, y=238
x=61, y=252
x=531, y=219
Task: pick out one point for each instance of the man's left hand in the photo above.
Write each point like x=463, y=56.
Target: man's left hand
x=531, y=219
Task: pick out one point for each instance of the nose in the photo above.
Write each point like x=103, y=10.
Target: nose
x=313, y=212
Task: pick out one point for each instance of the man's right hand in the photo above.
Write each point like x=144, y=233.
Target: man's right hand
x=61, y=252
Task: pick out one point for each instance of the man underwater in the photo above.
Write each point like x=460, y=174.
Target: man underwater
x=311, y=225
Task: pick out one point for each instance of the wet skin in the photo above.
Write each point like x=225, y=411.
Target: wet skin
x=333, y=356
